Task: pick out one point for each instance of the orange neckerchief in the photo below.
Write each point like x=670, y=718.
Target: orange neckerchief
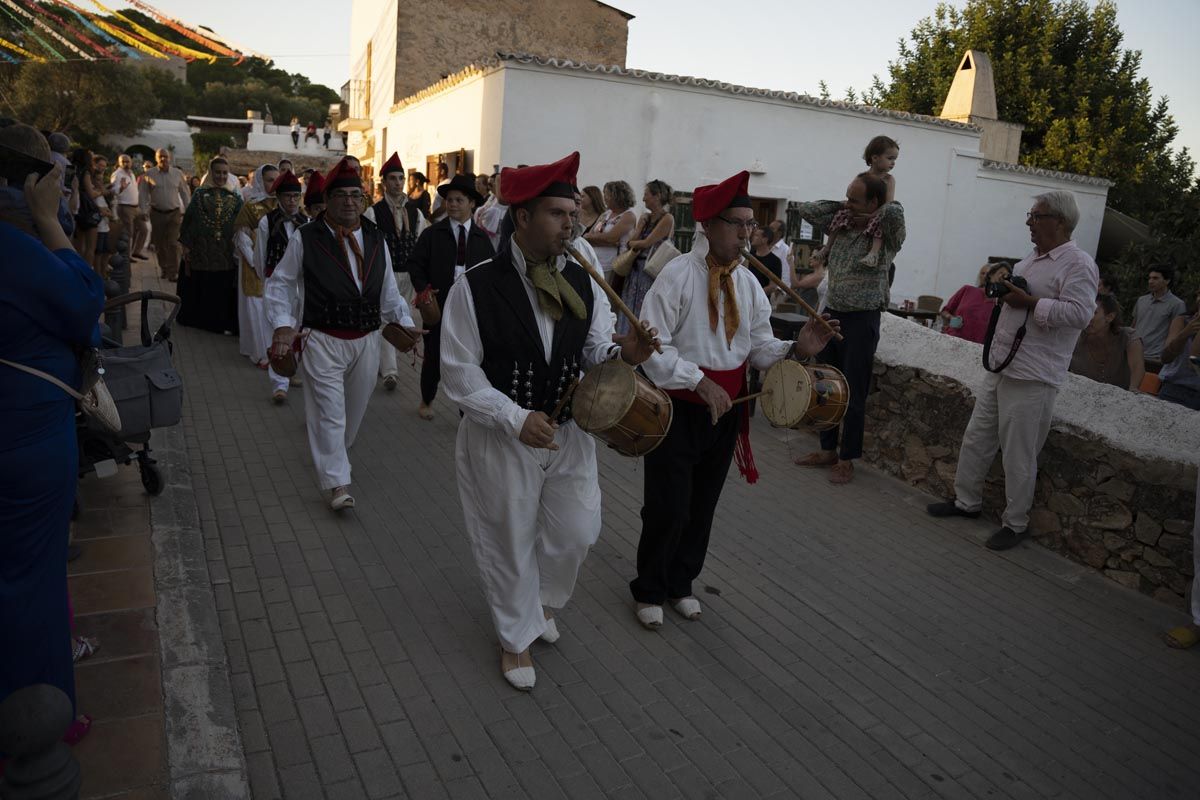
x=347, y=234
x=720, y=280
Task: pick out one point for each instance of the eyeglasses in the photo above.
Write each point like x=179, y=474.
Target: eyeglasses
x=1039, y=215
x=745, y=224
x=356, y=196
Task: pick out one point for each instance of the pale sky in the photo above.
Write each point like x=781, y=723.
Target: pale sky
x=786, y=45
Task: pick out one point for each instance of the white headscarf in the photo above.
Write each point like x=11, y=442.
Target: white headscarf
x=258, y=191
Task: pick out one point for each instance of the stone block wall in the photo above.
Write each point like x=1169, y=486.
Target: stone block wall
x=435, y=39
x=1125, y=513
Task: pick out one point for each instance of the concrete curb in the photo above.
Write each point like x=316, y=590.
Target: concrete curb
x=204, y=746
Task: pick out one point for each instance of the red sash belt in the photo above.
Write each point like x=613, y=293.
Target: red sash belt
x=733, y=381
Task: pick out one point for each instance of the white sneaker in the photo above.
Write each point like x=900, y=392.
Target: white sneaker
x=340, y=498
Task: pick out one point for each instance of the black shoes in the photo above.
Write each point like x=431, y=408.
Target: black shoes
x=949, y=509
x=1005, y=538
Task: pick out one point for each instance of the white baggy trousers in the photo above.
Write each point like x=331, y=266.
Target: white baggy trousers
x=1014, y=416
x=387, y=355
x=339, y=376
x=531, y=515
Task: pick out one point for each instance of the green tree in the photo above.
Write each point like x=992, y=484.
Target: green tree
x=1060, y=70
x=86, y=99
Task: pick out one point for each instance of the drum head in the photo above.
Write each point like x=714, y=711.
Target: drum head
x=790, y=390
x=604, y=396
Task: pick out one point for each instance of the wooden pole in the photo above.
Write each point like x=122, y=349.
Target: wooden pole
x=748, y=397
x=774, y=279
x=615, y=299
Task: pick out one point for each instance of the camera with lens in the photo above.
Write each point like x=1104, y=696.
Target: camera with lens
x=998, y=290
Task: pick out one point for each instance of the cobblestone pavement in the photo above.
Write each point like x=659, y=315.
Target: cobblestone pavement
x=850, y=646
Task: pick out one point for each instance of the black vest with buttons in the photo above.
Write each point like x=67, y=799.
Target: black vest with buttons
x=513, y=356
x=400, y=243
x=332, y=300
x=277, y=237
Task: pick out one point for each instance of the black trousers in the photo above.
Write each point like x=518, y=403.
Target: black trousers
x=855, y=357
x=684, y=477
x=431, y=367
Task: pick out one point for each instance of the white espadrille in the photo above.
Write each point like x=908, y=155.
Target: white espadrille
x=522, y=678
x=687, y=607
x=550, y=635
x=341, y=498
x=651, y=617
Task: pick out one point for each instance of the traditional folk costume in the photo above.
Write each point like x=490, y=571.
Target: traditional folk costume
x=514, y=334
x=400, y=225
x=340, y=282
x=208, y=285
x=271, y=239
x=442, y=254
x=254, y=333
x=713, y=320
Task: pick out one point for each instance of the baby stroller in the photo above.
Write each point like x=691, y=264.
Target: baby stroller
x=148, y=393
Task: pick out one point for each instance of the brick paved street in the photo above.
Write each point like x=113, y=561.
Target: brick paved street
x=850, y=646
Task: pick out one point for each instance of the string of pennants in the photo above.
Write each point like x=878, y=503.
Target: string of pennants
x=65, y=31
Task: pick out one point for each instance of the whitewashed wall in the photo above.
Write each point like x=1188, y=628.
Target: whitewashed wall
x=958, y=213
x=173, y=134
x=463, y=117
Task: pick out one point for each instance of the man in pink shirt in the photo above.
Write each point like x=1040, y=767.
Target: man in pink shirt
x=1035, y=336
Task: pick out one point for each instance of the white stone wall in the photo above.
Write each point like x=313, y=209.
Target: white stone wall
x=1137, y=424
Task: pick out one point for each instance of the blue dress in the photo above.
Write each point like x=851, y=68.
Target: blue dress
x=49, y=304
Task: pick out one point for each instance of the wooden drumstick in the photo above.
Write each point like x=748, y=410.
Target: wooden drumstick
x=745, y=398
x=615, y=299
x=790, y=292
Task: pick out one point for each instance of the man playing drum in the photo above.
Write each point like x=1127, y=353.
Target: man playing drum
x=515, y=333
x=714, y=318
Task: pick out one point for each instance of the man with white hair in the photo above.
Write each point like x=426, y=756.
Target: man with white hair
x=1026, y=353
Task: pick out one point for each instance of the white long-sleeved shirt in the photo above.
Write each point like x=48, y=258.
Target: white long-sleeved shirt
x=677, y=304
x=260, y=243
x=398, y=215
x=284, y=290
x=462, y=350
x=124, y=183
x=781, y=249
x=1064, y=280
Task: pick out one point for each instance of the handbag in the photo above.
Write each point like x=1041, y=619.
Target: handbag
x=88, y=215
x=623, y=263
x=662, y=255
x=96, y=403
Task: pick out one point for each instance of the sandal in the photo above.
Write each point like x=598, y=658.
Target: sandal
x=1183, y=637
x=821, y=458
x=687, y=607
x=842, y=473
x=82, y=647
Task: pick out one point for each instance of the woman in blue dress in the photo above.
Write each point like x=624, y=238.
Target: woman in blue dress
x=50, y=301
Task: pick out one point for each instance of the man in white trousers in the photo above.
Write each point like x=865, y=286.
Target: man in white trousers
x=400, y=224
x=337, y=273
x=515, y=331
x=1027, y=359
x=275, y=230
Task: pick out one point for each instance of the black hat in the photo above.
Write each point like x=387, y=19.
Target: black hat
x=463, y=183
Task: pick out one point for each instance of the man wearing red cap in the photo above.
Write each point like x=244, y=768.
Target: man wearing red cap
x=515, y=333
x=441, y=256
x=714, y=319
x=400, y=225
x=335, y=279
x=270, y=243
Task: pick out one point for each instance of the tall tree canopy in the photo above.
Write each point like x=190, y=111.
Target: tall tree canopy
x=1060, y=70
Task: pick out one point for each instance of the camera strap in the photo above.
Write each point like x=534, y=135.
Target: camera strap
x=991, y=331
